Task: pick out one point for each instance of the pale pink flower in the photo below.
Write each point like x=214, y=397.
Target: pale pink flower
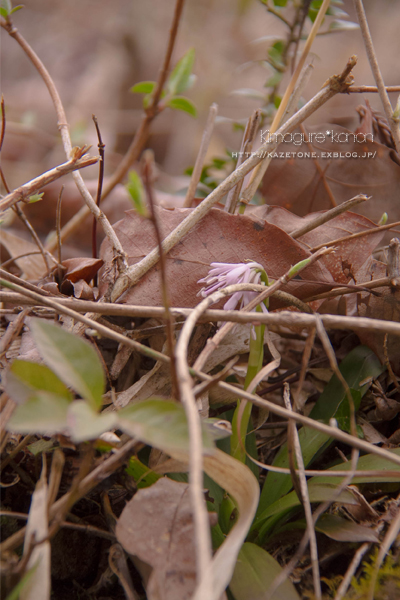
x=223, y=274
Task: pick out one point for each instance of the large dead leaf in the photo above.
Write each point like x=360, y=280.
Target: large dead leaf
x=296, y=184
x=349, y=256
x=219, y=237
x=157, y=527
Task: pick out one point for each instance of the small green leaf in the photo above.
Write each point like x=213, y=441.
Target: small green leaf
x=44, y=413
x=5, y=8
x=280, y=2
x=35, y=198
x=143, y=475
x=136, y=191
x=17, y=8
x=15, y=594
x=74, y=360
x=144, y=87
x=86, y=424
x=160, y=423
x=24, y=378
x=181, y=103
x=254, y=573
x=179, y=80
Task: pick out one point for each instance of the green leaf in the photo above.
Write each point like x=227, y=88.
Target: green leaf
x=254, y=572
x=181, y=103
x=360, y=364
x=144, y=87
x=160, y=423
x=84, y=423
x=343, y=530
x=280, y=2
x=15, y=593
x=44, y=413
x=5, y=8
x=317, y=493
x=24, y=378
x=143, y=475
x=136, y=191
x=74, y=360
x=180, y=80
x=369, y=462
x=17, y=8
x=35, y=198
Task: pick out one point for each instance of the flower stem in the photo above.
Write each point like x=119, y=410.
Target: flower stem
x=242, y=413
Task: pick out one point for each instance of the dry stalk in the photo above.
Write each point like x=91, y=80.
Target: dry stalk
x=198, y=165
x=373, y=61
x=304, y=497
x=259, y=172
x=78, y=161
x=328, y=216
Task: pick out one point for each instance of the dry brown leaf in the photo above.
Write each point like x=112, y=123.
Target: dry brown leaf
x=32, y=267
x=348, y=258
x=219, y=237
x=157, y=527
x=295, y=183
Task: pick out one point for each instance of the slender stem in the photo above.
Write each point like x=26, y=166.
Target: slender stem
x=148, y=161
x=369, y=47
x=101, y=147
x=370, y=89
x=198, y=166
x=33, y=186
x=353, y=236
x=328, y=216
x=258, y=173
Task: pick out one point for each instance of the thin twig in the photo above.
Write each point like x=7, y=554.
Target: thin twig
x=388, y=540
x=58, y=229
x=135, y=272
x=89, y=529
x=101, y=147
x=141, y=134
x=148, y=162
x=78, y=161
x=259, y=172
x=328, y=216
x=198, y=165
x=305, y=500
x=353, y=236
x=368, y=89
x=245, y=148
x=66, y=140
x=284, y=318
x=369, y=47
x=99, y=474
